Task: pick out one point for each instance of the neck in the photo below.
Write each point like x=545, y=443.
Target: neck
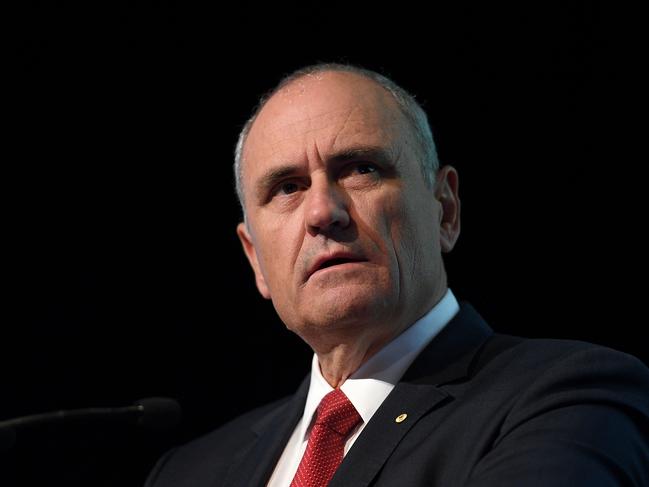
x=341, y=356
x=341, y=361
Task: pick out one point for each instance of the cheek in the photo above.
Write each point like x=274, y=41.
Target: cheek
x=381, y=219
x=413, y=235
x=403, y=236
x=277, y=249
x=395, y=216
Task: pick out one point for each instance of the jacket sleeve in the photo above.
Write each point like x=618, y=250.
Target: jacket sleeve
x=584, y=421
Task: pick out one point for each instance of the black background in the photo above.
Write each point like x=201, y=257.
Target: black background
x=125, y=276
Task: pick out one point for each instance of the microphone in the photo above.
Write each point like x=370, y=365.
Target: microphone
x=153, y=413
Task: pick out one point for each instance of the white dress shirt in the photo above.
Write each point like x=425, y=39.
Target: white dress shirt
x=368, y=387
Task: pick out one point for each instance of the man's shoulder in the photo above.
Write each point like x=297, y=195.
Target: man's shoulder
x=543, y=352
x=237, y=430
x=209, y=457
x=527, y=369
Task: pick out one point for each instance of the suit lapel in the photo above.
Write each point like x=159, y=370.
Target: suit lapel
x=382, y=434
x=273, y=432
x=447, y=358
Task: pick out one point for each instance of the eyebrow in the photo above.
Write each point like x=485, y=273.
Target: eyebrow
x=378, y=154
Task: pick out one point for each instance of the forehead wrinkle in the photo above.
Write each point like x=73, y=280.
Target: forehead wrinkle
x=280, y=150
x=310, y=123
x=345, y=123
x=275, y=139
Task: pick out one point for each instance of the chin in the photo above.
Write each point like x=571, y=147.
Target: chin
x=344, y=309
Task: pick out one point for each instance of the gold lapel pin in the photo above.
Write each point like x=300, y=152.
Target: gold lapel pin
x=401, y=418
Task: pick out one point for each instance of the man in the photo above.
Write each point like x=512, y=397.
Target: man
x=347, y=214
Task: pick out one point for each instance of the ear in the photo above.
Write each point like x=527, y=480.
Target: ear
x=251, y=253
x=446, y=192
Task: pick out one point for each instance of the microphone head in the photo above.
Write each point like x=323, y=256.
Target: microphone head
x=159, y=413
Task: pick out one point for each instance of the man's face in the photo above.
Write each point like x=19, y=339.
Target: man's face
x=342, y=231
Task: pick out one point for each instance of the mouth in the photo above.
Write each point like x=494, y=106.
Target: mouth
x=334, y=260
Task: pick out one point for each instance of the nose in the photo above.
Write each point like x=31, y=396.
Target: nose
x=326, y=208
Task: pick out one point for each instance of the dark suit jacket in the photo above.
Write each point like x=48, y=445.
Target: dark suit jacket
x=483, y=410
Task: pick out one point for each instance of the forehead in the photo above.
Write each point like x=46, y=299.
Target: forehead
x=326, y=112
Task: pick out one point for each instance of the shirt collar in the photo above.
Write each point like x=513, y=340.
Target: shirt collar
x=368, y=387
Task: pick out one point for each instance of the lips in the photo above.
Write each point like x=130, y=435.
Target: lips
x=333, y=259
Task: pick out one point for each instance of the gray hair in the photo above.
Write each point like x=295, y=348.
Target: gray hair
x=409, y=107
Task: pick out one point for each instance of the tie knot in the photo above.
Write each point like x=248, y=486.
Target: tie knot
x=337, y=412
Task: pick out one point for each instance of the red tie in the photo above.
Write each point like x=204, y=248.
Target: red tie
x=336, y=417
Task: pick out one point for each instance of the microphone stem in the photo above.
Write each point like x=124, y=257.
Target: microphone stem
x=73, y=414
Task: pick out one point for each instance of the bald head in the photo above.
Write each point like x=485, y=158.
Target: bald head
x=352, y=83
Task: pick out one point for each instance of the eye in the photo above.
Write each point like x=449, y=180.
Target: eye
x=360, y=175
x=365, y=168
x=361, y=168
x=288, y=188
